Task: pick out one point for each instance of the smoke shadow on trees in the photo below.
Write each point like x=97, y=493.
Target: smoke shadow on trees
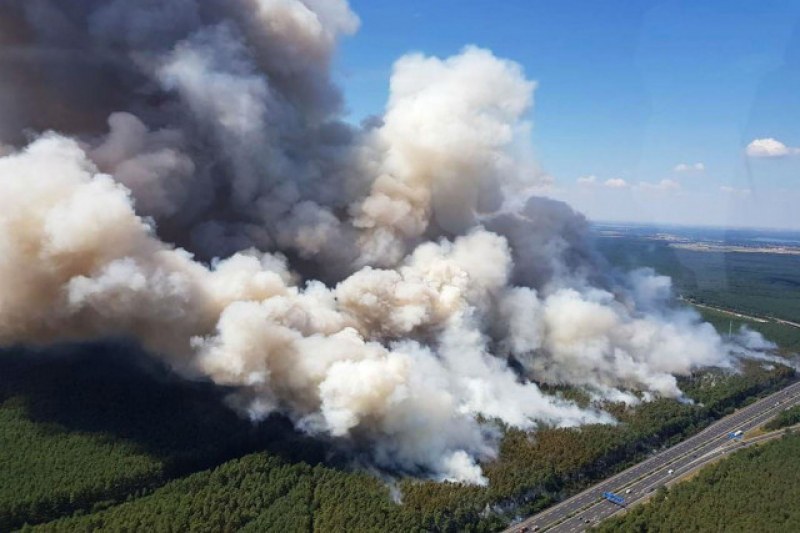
x=113, y=389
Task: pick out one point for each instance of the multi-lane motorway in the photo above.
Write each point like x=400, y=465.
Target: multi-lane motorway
x=587, y=508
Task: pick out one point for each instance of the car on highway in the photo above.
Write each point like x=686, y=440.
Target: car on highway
x=663, y=476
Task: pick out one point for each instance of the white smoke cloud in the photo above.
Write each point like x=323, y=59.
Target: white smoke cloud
x=370, y=284
x=448, y=142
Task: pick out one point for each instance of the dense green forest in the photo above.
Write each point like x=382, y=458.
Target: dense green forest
x=789, y=417
x=86, y=426
x=101, y=436
x=258, y=492
x=756, y=489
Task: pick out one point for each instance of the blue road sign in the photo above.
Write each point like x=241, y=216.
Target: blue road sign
x=614, y=498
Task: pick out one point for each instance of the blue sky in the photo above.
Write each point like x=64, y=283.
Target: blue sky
x=627, y=91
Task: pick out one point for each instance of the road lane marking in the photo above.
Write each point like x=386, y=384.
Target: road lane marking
x=756, y=413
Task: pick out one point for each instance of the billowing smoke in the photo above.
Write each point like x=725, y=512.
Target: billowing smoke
x=177, y=171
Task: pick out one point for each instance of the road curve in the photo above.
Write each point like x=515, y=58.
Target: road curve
x=587, y=508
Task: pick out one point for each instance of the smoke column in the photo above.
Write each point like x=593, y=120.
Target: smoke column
x=178, y=172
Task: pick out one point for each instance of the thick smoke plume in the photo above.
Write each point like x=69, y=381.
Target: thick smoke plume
x=177, y=171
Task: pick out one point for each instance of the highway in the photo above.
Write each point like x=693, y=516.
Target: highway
x=587, y=508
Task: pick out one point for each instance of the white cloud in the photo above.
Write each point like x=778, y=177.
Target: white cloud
x=616, y=183
x=591, y=179
x=665, y=185
x=769, y=147
x=735, y=191
x=688, y=167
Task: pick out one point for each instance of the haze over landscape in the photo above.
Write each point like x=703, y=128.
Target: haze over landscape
x=410, y=286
